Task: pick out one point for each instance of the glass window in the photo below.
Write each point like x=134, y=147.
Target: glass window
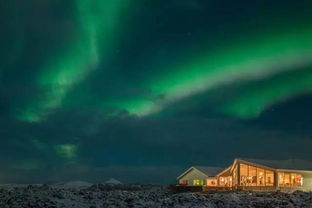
x=255, y=176
x=292, y=179
x=230, y=181
x=252, y=176
x=289, y=179
x=298, y=181
x=269, y=178
x=212, y=182
x=235, y=175
x=260, y=176
x=198, y=182
x=243, y=174
x=222, y=181
x=280, y=178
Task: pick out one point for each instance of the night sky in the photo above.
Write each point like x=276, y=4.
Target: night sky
x=140, y=90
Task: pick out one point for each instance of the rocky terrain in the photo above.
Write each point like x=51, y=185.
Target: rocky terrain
x=110, y=196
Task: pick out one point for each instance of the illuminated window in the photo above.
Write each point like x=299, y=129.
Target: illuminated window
x=243, y=174
x=269, y=178
x=289, y=179
x=184, y=182
x=198, y=182
x=260, y=177
x=255, y=176
x=235, y=175
x=298, y=180
x=280, y=178
x=212, y=182
x=230, y=181
x=292, y=178
x=252, y=176
x=222, y=181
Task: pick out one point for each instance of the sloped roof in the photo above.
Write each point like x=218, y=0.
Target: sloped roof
x=209, y=171
x=291, y=164
x=225, y=171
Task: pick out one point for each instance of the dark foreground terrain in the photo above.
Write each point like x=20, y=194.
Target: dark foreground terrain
x=98, y=196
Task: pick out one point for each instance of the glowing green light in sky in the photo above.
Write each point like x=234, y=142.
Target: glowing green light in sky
x=254, y=99
x=67, y=151
x=135, y=106
x=99, y=22
x=249, y=60
x=256, y=57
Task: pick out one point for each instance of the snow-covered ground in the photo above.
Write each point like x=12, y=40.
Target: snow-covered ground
x=110, y=196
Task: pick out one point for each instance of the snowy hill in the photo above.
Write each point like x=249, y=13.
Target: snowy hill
x=113, y=181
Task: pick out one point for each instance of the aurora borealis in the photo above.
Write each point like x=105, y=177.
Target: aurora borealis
x=125, y=84
x=70, y=67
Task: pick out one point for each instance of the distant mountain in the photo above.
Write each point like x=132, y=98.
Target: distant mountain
x=112, y=181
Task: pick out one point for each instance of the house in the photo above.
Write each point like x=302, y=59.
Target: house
x=253, y=174
x=200, y=176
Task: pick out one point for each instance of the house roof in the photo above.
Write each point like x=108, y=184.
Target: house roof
x=225, y=172
x=207, y=170
x=291, y=164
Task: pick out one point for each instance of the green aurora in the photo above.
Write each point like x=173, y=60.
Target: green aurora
x=255, y=98
x=99, y=26
x=249, y=60
x=95, y=88
x=256, y=57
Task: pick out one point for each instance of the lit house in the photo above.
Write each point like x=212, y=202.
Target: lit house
x=253, y=174
x=200, y=176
